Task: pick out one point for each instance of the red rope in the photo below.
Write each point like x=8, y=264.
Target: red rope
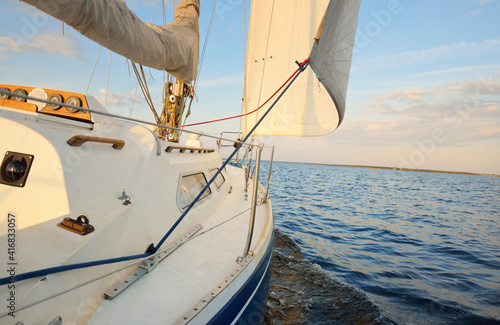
x=255, y=110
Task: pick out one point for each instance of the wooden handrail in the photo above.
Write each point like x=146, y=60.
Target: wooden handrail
x=78, y=140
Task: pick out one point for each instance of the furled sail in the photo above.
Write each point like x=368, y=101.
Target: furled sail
x=283, y=31
x=172, y=47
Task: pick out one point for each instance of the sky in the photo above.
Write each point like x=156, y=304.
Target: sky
x=424, y=89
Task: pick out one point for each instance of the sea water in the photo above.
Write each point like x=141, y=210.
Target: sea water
x=372, y=246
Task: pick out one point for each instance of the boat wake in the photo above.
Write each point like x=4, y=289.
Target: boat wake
x=304, y=293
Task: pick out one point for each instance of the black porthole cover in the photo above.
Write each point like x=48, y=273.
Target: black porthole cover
x=15, y=168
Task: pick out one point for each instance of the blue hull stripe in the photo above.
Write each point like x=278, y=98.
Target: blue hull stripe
x=234, y=306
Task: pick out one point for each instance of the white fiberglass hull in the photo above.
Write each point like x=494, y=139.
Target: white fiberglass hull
x=199, y=282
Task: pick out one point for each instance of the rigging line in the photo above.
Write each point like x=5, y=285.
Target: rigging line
x=107, y=82
x=92, y=75
x=145, y=92
x=146, y=88
x=133, y=100
x=200, y=65
x=154, y=12
x=255, y=110
x=265, y=58
x=104, y=113
x=174, y=9
x=164, y=12
x=244, y=64
x=218, y=225
x=140, y=83
x=300, y=69
x=137, y=76
x=188, y=112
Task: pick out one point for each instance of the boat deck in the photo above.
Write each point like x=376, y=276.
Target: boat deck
x=201, y=266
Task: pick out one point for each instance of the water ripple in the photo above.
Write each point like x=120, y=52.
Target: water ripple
x=425, y=247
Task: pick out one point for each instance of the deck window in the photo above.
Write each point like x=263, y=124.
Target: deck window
x=220, y=178
x=190, y=187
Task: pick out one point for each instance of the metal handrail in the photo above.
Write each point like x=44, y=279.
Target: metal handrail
x=105, y=113
x=255, y=194
x=248, y=162
x=264, y=200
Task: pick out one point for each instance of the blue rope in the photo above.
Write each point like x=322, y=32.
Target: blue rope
x=62, y=268
x=151, y=250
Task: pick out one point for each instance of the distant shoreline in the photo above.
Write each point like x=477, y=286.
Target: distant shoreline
x=391, y=168
x=398, y=169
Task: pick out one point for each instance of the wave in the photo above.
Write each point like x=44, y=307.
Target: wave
x=304, y=293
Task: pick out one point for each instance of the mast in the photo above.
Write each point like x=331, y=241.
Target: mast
x=174, y=102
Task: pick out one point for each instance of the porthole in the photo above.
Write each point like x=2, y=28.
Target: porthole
x=20, y=91
x=74, y=101
x=190, y=187
x=55, y=97
x=219, y=180
x=4, y=96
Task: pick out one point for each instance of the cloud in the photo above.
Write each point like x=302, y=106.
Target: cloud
x=461, y=69
x=475, y=12
x=445, y=51
x=123, y=98
x=484, y=88
x=464, y=114
x=472, y=95
x=48, y=41
x=371, y=131
x=446, y=126
x=414, y=94
x=411, y=102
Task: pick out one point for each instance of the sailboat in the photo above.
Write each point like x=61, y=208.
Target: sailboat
x=111, y=220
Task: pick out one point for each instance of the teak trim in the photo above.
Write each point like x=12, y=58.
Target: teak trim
x=78, y=140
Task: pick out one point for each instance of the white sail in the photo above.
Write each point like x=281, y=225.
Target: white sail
x=172, y=47
x=283, y=31
x=332, y=52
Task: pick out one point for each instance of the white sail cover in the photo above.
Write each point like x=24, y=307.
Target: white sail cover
x=172, y=47
x=282, y=32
